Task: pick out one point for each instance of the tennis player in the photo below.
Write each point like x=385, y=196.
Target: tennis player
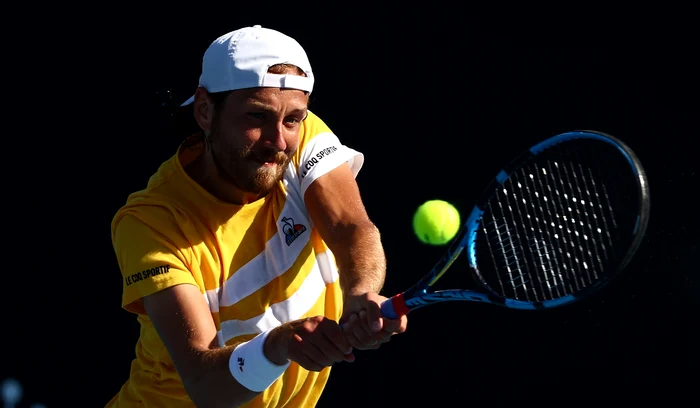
x=249, y=258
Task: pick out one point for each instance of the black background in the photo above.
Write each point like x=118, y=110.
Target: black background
x=437, y=109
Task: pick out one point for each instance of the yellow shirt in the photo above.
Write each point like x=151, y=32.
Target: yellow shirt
x=257, y=265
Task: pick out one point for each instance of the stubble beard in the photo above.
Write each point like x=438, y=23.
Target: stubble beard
x=265, y=178
x=245, y=171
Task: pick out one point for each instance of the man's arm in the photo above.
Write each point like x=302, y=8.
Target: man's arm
x=337, y=211
x=183, y=321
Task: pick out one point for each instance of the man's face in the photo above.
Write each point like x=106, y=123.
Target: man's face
x=254, y=135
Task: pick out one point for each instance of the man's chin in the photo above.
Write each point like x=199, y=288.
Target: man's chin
x=266, y=177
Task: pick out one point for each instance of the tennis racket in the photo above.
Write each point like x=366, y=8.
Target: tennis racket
x=554, y=226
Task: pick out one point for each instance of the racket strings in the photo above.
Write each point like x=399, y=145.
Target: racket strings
x=581, y=218
x=551, y=229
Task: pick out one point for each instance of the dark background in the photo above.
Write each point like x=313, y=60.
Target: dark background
x=436, y=111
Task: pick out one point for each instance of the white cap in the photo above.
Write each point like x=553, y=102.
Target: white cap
x=240, y=59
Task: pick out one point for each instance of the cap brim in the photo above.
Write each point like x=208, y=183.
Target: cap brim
x=189, y=101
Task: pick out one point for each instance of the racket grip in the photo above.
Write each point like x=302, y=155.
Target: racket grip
x=388, y=309
x=394, y=307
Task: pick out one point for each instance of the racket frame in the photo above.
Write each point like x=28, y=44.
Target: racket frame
x=420, y=294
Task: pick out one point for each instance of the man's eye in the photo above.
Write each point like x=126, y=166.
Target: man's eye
x=256, y=115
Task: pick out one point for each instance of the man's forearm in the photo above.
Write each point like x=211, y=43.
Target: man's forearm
x=361, y=259
x=216, y=386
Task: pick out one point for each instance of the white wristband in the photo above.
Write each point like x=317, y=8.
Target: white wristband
x=250, y=367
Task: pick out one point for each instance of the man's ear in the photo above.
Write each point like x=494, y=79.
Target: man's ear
x=203, y=109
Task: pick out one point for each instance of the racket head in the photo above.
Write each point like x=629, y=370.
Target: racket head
x=559, y=222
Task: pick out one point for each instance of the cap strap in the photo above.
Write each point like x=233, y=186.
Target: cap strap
x=288, y=81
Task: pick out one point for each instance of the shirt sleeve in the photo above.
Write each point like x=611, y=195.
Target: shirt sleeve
x=323, y=153
x=149, y=261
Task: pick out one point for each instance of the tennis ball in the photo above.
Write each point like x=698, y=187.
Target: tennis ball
x=436, y=222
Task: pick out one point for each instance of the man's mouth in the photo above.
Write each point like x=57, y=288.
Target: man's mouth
x=266, y=161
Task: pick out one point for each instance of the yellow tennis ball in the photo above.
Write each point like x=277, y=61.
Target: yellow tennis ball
x=436, y=222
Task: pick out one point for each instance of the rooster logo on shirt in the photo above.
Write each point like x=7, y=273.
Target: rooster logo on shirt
x=291, y=230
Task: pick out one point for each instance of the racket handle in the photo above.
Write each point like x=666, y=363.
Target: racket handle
x=394, y=307
x=388, y=309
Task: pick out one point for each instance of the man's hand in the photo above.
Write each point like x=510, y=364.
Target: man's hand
x=314, y=343
x=363, y=324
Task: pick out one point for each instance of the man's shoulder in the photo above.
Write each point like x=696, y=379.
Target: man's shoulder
x=150, y=209
x=156, y=203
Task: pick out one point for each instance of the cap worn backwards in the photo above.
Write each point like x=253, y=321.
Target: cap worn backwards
x=240, y=59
